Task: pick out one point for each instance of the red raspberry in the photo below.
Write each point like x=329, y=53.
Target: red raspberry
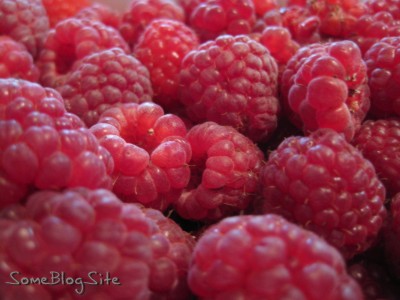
x=161, y=48
x=80, y=231
x=102, y=80
x=325, y=86
x=267, y=257
x=379, y=142
x=42, y=146
x=100, y=12
x=16, y=61
x=369, y=29
x=212, y=18
x=225, y=173
x=141, y=12
x=58, y=10
x=392, y=236
x=391, y=6
x=26, y=21
x=232, y=81
x=326, y=185
x=71, y=40
x=262, y=6
x=382, y=61
x=303, y=26
x=150, y=152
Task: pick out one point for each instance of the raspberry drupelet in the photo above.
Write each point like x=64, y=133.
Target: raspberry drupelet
x=150, y=152
x=161, y=48
x=100, y=12
x=104, y=79
x=327, y=186
x=232, y=80
x=58, y=10
x=44, y=147
x=71, y=40
x=391, y=6
x=379, y=142
x=26, y=21
x=267, y=257
x=225, y=168
x=16, y=61
x=80, y=231
x=325, y=86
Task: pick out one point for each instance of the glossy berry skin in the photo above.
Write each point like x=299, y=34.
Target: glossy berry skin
x=26, y=21
x=104, y=79
x=44, y=147
x=150, y=152
x=391, y=6
x=58, y=10
x=382, y=60
x=327, y=186
x=161, y=48
x=379, y=142
x=140, y=13
x=225, y=167
x=267, y=257
x=78, y=231
x=16, y=61
x=211, y=18
x=232, y=81
x=325, y=86
x=71, y=40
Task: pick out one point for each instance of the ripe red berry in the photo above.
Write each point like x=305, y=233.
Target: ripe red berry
x=325, y=86
x=392, y=236
x=161, y=48
x=267, y=257
x=80, y=231
x=104, y=79
x=326, y=185
x=225, y=167
x=58, y=10
x=391, y=6
x=150, y=152
x=71, y=40
x=44, y=147
x=100, y=12
x=232, y=81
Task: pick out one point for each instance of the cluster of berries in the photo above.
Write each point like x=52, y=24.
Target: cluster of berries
x=200, y=149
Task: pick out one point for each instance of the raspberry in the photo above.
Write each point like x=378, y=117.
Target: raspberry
x=392, y=236
x=267, y=257
x=325, y=86
x=58, y=10
x=379, y=142
x=232, y=81
x=369, y=29
x=262, y=6
x=161, y=48
x=26, y=21
x=44, y=147
x=325, y=184
x=79, y=231
x=71, y=40
x=391, y=6
x=102, y=13
x=104, y=79
x=382, y=61
x=225, y=173
x=150, y=152
x=212, y=18
x=16, y=61
x=141, y=12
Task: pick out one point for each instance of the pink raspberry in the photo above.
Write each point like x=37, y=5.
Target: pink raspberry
x=379, y=142
x=212, y=18
x=26, y=21
x=16, y=61
x=150, y=151
x=79, y=231
x=267, y=257
x=225, y=173
x=141, y=12
x=232, y=81
x=100, y=12
x=161, y=48
x=382, y=60
x=44, y=147
x=71, y=40
x=325, y=86
x=326, y=185
x=104, y=79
